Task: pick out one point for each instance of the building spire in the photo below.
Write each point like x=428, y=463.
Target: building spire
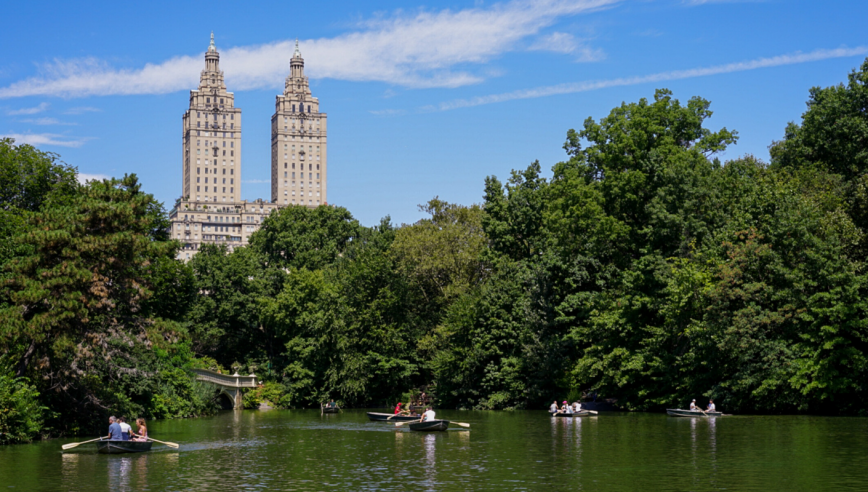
x=211, y=47
x=297, y=53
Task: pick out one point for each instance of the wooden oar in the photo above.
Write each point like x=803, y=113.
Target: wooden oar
x=76, y=444
x=592, y=412
x=399, y=424
x=462, y=424
x=170, y=444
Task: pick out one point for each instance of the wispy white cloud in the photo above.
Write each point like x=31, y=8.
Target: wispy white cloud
x=387, y=112
x=46, y=139
x=574, y=87
x=38, y=109
x=46, y=121
x=421, y=49
x=82, y=110
x=83, y=178
x=559, y=42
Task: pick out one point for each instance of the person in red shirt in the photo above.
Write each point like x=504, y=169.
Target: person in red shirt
x=398, y=408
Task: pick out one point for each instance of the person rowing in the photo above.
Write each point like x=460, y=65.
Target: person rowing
x=711, y=407
x=577, y=407
x=115, y=431
x=428, y=416
x=693, y=407
x=398, y=408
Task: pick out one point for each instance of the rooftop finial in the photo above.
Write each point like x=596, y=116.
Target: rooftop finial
x=297, y=53
x=211, y=47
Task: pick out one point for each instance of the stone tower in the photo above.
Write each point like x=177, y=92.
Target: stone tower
x=298, y=142
x=212, y=138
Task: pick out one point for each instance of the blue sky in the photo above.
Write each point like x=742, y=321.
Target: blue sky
x=423, y=99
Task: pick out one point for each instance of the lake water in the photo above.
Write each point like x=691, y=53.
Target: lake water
x=302, y=450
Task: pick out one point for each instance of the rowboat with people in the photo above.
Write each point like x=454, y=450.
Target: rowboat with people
x=391, y=417
x=677, y=412
x=580, y=413
x=119, y=447
x=430, y=426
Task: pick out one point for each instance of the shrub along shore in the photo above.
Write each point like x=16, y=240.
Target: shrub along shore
x=645, y=268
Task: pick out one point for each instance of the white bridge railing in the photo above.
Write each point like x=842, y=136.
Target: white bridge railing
x=226, y=380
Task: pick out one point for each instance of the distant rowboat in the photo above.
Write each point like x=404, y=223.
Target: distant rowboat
x=117, y=447
x=330, y=410
x=677, y=412
x=376, y=416
x=430, y=426
x=580, y=413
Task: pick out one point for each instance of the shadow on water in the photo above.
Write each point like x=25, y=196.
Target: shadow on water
x=302, y=450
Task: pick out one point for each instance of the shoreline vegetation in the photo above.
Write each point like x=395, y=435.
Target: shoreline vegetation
x=645, y=269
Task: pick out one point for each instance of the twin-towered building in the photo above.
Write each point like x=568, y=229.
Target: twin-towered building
x=211, y=209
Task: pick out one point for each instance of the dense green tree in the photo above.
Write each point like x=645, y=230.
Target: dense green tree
x=833, y=134
x=300, y=237
x=79, y=299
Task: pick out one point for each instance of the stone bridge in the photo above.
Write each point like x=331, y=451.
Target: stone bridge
x=230, y=385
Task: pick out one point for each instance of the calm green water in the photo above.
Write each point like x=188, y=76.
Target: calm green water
x=301, y=450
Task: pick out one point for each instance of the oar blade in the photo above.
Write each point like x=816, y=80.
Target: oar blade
x=70, y=445
x=461, y=424
x=172, y=445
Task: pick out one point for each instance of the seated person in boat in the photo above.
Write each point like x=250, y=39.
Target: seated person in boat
x=331, y=404
x=428, y=415
x=566, y=408
x=115, y=432
x=577, y=407
x=711, y=407
x=141, y=433
x=554, y=407
x=693, y=407
x=126, y=428
x=398, y=408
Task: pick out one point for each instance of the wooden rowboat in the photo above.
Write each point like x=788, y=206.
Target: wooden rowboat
x=376, y=416
x=117, y=447
x=330, y=410
x=677, y=412
x=580, y=413
x=430, y=426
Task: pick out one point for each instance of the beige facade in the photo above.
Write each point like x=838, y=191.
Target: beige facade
x=210, y=211
x=298, y=142
x=211, y=143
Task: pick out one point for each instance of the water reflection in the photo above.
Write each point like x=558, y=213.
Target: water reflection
x=69, y=467
x=282, y=450
x=119, y=472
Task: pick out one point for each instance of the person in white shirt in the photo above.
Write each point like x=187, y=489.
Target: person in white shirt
x=710, y=406
x=428, y=415
x=554, y=407
x=126, y=429
x=693, y=407
x=566, y=408
x=577, y=407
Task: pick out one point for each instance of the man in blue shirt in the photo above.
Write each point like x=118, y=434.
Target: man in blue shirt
x=115, y=432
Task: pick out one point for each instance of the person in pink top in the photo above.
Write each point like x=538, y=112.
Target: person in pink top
x=398, y=408
x=142, y=434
